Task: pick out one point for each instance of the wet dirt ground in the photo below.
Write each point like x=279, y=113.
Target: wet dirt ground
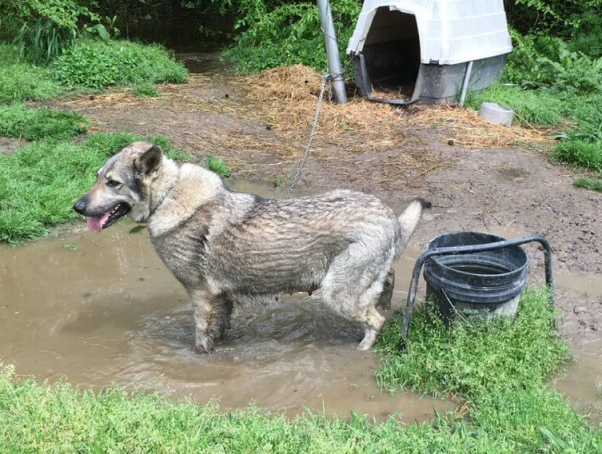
x=511, y=191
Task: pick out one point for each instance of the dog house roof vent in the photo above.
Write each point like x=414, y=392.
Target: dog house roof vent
x=400, y=39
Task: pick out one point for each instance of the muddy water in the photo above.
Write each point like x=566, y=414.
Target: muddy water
x=101, y=309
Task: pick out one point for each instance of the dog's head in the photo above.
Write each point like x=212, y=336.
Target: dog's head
x=123, y=186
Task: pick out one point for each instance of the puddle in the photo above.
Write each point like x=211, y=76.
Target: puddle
x=581, y=382
x=101, y=309
x=207, y=63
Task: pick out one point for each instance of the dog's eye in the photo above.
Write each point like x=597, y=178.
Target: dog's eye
x=113, y=183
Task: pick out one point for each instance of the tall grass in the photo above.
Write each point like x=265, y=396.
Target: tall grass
x=44, y=40
x=40, y=182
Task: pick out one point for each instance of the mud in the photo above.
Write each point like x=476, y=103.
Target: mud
x=513, y=190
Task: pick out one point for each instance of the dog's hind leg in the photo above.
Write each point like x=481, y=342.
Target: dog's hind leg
x=353, y=287
x=384, y=300
x=370, y=317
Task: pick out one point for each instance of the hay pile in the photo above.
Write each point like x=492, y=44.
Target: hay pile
x=288, y=97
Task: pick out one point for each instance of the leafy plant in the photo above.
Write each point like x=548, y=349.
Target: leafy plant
x=99, y=64
x=285, y=34
x=48, y=26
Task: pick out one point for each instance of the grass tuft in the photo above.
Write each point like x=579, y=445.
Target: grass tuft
x=146, y=90
x=218, y=165
x=580, y=153
x=473, y=360
x=40, y=182
x=17, y=120
x=589, y=183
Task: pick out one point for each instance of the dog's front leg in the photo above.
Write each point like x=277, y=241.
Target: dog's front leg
x=202, y=303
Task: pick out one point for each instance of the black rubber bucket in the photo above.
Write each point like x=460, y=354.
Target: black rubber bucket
x=482, y=283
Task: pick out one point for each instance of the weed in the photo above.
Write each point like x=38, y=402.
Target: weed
x=277, y=34
x=40, y=182
x=218, y=165
x=17, y=120
x=277, y=182
x=70, y=247
x=99, y=64
x=589, y=183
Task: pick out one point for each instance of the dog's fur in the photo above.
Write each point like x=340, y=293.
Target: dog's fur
x=227, y=247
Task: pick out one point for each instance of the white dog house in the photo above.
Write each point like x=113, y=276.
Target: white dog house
x=418, y=50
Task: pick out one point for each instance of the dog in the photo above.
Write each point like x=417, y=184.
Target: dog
x=227, y=247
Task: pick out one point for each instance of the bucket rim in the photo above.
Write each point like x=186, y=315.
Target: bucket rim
x=498, y=237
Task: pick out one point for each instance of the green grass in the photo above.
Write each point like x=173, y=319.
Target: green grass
x=98, y=64
x=580, y=153
x=146, y=90
x=508, y=414
x=22, y=81
x=40, y=182
x=475, y=360
x=218, y=165
x=16, y=120
x=538, y=107
x=589, y=183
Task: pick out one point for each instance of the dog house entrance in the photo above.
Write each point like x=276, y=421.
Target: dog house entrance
x=387, y=68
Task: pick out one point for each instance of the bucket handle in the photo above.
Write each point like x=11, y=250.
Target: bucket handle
x=456, y=250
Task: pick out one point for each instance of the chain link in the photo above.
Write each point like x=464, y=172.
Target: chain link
x=325, y=78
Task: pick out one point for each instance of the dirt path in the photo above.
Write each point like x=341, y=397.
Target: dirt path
x=508, y=190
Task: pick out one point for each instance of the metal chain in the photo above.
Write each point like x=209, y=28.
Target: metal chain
x=325, y=77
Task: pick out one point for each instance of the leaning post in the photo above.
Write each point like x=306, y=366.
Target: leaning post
x=332, y=51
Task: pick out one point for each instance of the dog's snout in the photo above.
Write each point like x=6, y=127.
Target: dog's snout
x=80, y=205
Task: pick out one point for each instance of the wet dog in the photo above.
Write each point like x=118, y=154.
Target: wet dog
x=227, y=247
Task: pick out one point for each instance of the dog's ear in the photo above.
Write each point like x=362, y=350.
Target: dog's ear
x=149, y=162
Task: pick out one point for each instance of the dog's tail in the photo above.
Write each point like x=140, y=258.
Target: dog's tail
x=411, y=216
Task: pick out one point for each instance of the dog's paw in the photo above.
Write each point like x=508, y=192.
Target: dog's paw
x=201, y=350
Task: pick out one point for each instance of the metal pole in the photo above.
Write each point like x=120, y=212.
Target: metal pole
x=465, y=84
x=332, y=52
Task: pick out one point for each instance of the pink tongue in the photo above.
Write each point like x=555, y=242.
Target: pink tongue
x=95, y=224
